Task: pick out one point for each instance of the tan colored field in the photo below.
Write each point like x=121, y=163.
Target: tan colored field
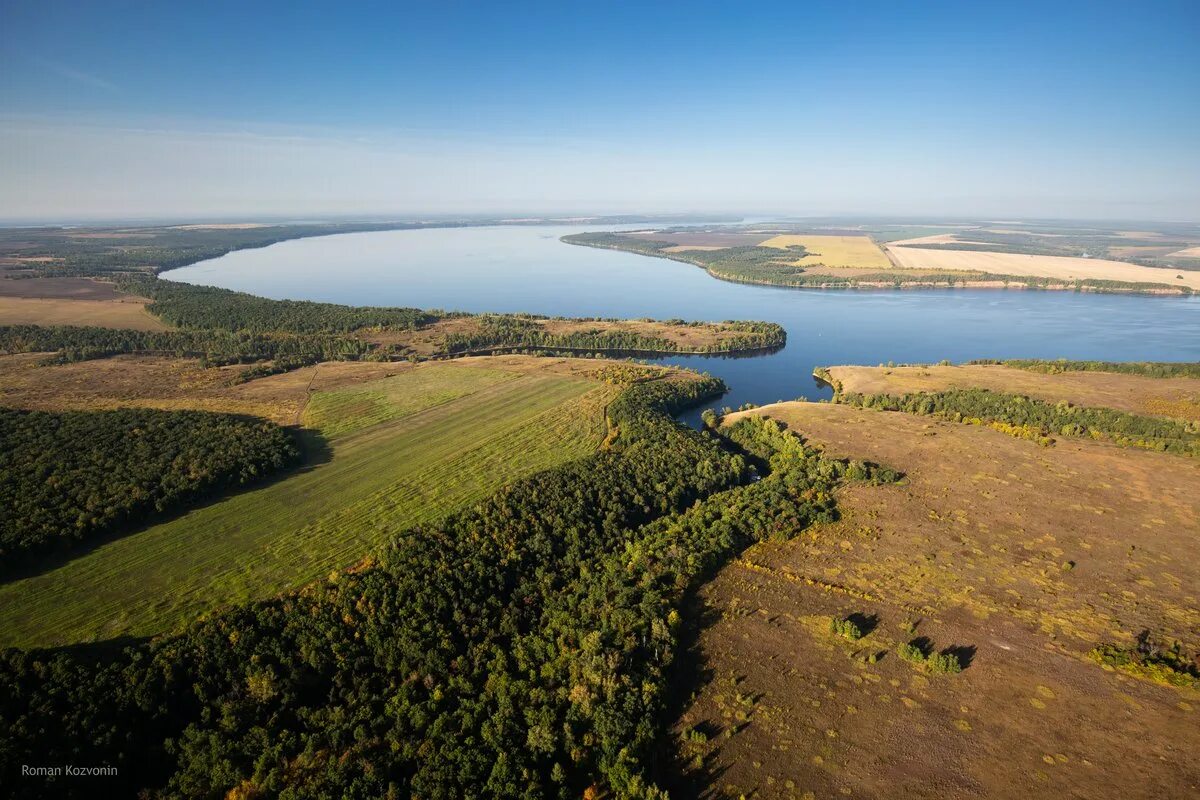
x=940, y=238
x=69, y=311
x=936, y=238
x=1062, y=267
x=181, y=383
x=1026, y=232
x=171, y=383
x=1139, y=251
x=1162, y=397
x=1187, y=252
x=63, y=288
x=683, y=248
x=834, y=251
x=971, y=550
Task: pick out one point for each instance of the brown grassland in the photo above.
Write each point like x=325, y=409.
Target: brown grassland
x=73, y=301
x=1022, y=557
x=70, y=311
x=64, y=288
x=1162, y=397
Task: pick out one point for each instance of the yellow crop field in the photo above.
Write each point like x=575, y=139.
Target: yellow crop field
x=834, y=251
x=1065, y=268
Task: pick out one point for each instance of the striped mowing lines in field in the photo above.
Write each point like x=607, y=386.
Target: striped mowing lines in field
x=415, y=467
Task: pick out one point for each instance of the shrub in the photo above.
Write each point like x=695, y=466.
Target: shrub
x=845, y=628
x=943, y=664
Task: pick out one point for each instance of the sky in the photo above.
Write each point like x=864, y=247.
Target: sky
x=241, y=110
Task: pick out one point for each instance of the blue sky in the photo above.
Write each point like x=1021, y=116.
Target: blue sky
x=113, y=109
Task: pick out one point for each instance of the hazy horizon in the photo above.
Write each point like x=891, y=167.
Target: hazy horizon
x=1085, y=111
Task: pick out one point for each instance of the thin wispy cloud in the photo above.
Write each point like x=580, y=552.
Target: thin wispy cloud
x=78, y=76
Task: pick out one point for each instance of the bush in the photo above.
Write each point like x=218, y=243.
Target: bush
x=943, y=664
x=845, y=628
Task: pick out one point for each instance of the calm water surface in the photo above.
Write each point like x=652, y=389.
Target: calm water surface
x=515, y=269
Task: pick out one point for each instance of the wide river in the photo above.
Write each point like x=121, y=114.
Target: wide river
x=527, y=268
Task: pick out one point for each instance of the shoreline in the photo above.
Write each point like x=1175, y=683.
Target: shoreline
x=1001, y=282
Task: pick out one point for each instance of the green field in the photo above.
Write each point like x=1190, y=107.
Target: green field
x=405, y=450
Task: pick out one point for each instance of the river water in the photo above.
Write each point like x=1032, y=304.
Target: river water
x=527, y=269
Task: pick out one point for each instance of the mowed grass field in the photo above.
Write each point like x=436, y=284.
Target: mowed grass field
x=857, y=252
x=404, y=450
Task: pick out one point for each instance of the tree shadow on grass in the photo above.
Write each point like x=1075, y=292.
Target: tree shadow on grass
x=864, y=622
x=314, y=448
x=672, y=769
x=964, y=653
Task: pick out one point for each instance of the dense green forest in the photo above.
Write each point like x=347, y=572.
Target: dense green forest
x=508, y=331
x=1038, y=420
x=517, y=649
x=1150, y=369
x=67, y=478
x=73, y=343
x=187, y=306
x=227, y=327
x=771, y=265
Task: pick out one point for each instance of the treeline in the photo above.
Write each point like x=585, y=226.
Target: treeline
x=71, y=477
x=215, y=347
x=1150, y=369
x=769, y=265
x=505, y=331
x=772, y=266
x=1041, y=421
x=518, y=649
x=208, y=307
x=81, y=252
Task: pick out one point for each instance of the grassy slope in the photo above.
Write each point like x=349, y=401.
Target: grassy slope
x=415, y=467
x=1177, y=397
x=971, y=548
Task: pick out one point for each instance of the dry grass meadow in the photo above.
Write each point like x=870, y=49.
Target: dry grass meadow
x=1021, y=558
x=71, y=311
x=1162, y=397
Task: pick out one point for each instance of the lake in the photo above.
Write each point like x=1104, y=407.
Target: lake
x=527, y=269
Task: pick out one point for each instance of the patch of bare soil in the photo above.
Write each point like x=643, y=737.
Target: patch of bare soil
x=1017, y=558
